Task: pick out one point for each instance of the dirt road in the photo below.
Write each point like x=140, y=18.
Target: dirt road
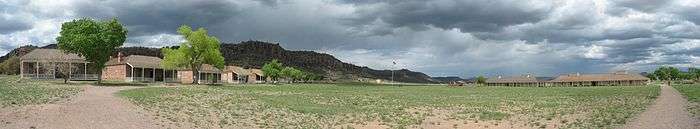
x=95, y=108
x=668, y=112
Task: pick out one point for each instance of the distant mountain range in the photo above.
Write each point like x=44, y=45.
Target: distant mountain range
x=254, y=54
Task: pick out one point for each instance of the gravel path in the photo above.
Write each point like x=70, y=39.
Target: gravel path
x=668, y=112
x=95, y=108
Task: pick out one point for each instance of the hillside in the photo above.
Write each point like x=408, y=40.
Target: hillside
x=254, y=54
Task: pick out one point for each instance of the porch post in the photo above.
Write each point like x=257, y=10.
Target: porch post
x=53, y=69
x=21, y=69
x=85, y=65
x=154, y=74
x=132, y=73
x=70, y=70
x=143, y=74
x=36, y=67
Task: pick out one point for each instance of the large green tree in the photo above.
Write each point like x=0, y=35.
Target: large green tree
x=199, y=48
x=694, y=73
x=292, y=74
x=272, y=69
x=667, y=74
x=93, y=40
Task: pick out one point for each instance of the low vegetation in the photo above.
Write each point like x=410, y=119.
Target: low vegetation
x=355, y=105
x=18, y=92
x=692, y=92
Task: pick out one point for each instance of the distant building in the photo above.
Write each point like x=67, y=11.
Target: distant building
x=207, y=74
x=621, y=78
x=44, y=64
x=235, y=74
x=257, y=76
x=524, y=80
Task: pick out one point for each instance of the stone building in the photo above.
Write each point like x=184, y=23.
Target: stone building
x=137, y=68
x=524, y=80
x=621, y=78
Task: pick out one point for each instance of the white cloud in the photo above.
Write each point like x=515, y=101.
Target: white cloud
x=595, y=52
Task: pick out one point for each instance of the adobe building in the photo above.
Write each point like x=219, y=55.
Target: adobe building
x=207, y=74
x=137, y=68
x=235, y=75
x=524, y=80
x=257, y=76
x=620, y=78
x=47, y=63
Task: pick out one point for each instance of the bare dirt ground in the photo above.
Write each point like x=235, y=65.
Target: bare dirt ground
x=667, y=112
x=95, y=108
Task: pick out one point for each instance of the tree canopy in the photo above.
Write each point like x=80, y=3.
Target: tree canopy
x=199, y=48
x=480, y=80
x=292, y=74
x=93, y=40
x=10, y=66
x=272, y=69
x=694, y=73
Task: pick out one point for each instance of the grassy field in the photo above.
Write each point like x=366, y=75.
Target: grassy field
x=20, y=92
x=351, y=105
x=692, y=92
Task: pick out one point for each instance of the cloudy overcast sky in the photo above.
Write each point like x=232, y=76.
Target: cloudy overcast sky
x=438, y=37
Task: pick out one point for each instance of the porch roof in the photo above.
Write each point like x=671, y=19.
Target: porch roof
x=51, y=55
x=137, y=61
x=600, y=77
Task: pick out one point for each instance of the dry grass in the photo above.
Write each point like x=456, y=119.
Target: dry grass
x=20, y=92
x=350, y=105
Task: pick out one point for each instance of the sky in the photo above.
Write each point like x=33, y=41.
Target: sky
x=438, y=37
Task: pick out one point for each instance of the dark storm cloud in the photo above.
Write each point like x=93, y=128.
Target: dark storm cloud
x=9, y=23
x=160, y=16
x=13, y=25
x=468, y=16
x=627, y=51
x=439, y=37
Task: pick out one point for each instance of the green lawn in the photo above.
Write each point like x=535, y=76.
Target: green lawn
x=692, y=92
x=20, y=92
x=341, y=105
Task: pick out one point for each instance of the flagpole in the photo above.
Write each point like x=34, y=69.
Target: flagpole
x=392, y=72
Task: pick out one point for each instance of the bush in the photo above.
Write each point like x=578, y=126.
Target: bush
x=10, y=66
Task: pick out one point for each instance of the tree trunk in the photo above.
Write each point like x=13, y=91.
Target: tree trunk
x=195, y=75
x=99, y=77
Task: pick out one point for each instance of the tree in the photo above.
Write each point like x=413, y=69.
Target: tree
x=694, y=73
x=10, y=66
x=64, y=69
x=272, y=69
x=199, y=48
x=667, y=74
x=651, y=76
x=93, y=40
x=288, y=73
x=480, y=80
x=297, y=74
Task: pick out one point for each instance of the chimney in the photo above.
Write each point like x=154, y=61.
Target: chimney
x=499, y=77
x=528, y=75
x=119, y=57
x=578, y=74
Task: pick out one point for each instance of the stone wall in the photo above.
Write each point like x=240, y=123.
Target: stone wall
x=114, y=72
x=185, y=77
